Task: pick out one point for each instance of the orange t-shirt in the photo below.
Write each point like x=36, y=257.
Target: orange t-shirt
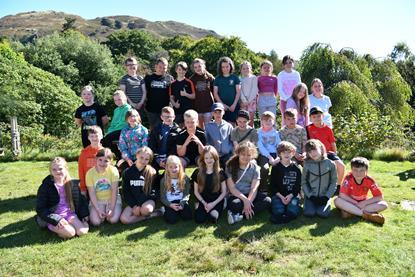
x=85, y=162
x=359, y=191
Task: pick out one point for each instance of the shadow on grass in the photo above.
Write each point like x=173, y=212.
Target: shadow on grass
x=25, y=233
x=406, y=175
x=179, y=230
x=26, y=203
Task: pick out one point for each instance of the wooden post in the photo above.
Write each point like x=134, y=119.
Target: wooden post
x=15, y=137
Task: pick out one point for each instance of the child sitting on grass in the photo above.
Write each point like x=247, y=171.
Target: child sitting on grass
x=353, y=194
x=318, y=180
x=285, y=186
x=60, y=206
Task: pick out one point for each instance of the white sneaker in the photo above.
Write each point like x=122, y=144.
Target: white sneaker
x=230, y=218
x=237, y=217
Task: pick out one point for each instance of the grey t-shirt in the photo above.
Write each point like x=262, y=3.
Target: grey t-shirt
x=252, y=173
x=133, y=87
x=237, y=134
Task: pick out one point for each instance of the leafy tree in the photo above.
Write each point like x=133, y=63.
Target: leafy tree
x=69, y=24
x=137, y=42
x=39, y=99
x=107, y=22
x=77, y=59
x=118, y=24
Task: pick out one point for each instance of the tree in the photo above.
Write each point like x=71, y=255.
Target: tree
x=39, y=99
x=78, y=60
x=107, y=22
x=137, y=42
x=69, y=24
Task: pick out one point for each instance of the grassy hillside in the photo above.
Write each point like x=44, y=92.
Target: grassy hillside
x=26, y=24
x=303, y=247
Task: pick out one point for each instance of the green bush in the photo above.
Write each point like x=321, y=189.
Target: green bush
x=391, y=154
x=365, y=133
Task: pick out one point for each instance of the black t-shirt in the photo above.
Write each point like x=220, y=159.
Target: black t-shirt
x=157, y=92
x=285, y=180
x=133, y=187
x=185, y=103
x=192, y=151
x=90, y=116
x=208, y=188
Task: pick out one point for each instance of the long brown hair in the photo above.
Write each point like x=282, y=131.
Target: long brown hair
x=149, y=172
x=67, y=180
x=181, y=178
x=304, y=103
x=233, y=162
x=314, y=144
x=201, y=176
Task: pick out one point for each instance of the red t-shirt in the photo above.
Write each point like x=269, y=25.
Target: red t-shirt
x=323, y=134
x=359, y=191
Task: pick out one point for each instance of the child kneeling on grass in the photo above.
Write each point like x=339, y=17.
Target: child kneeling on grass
x=243, y=183
x=353, y=199
x=209, y=186
x=175, y=191
x=102, y=183
x=60, y=205
x=285, y=185
x=318, y=180
x=139, y=189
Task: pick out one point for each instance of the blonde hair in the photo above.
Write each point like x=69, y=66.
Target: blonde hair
x=317, y=80
x=191, y=114
x=149, y=172
x=315, y=144
x=67, y=181
x=119, y=92
x=266, y=62
x=181, y=176
x=201, y=176
x=267, y=115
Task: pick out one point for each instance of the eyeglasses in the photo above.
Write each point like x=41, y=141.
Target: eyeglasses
x=289, y=62
x=167, y=116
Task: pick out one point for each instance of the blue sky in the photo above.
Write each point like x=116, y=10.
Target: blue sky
x=288, y=27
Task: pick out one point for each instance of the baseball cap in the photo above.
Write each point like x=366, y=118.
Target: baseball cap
x=243, y=114
x=217, y=106
x=315, y=110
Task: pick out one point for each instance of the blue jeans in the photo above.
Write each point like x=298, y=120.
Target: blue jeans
x=292, y=209
x=310, y=209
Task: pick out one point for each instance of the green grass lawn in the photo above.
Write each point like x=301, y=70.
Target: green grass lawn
x=303, y=247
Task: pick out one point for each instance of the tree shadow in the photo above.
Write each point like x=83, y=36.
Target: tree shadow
x=24, y=203
x=406, y=175
x=179, y=230
x=25, y=233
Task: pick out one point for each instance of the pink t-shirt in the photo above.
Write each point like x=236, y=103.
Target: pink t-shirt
x=62, y=208
x=267, y=84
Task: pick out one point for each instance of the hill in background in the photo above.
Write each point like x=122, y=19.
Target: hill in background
x=29, y=24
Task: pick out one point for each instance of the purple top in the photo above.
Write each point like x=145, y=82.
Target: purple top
x=301, y=119
x=62, y=208
x=267, y=84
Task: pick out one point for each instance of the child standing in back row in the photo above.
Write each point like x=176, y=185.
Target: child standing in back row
x=249, y=90
x=227, y=89
x=287, y=80
x=182, y=93
x=267, y=89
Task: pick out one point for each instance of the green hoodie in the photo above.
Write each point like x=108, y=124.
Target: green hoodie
x=118, y=121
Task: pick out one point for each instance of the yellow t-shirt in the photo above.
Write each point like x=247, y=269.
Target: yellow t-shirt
x=102, y=182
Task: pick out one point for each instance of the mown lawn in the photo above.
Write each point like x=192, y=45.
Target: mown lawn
x=303, y=247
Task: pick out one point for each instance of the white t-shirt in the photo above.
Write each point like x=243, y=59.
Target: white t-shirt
x=324, y=103
x=286, y=83
x=175, y=194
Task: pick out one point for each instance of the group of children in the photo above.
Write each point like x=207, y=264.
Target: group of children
x=238, y=168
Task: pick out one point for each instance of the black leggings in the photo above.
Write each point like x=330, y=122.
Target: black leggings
x=202, y=216
x=110, y=140
x=261, y=202
x=171, y=216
